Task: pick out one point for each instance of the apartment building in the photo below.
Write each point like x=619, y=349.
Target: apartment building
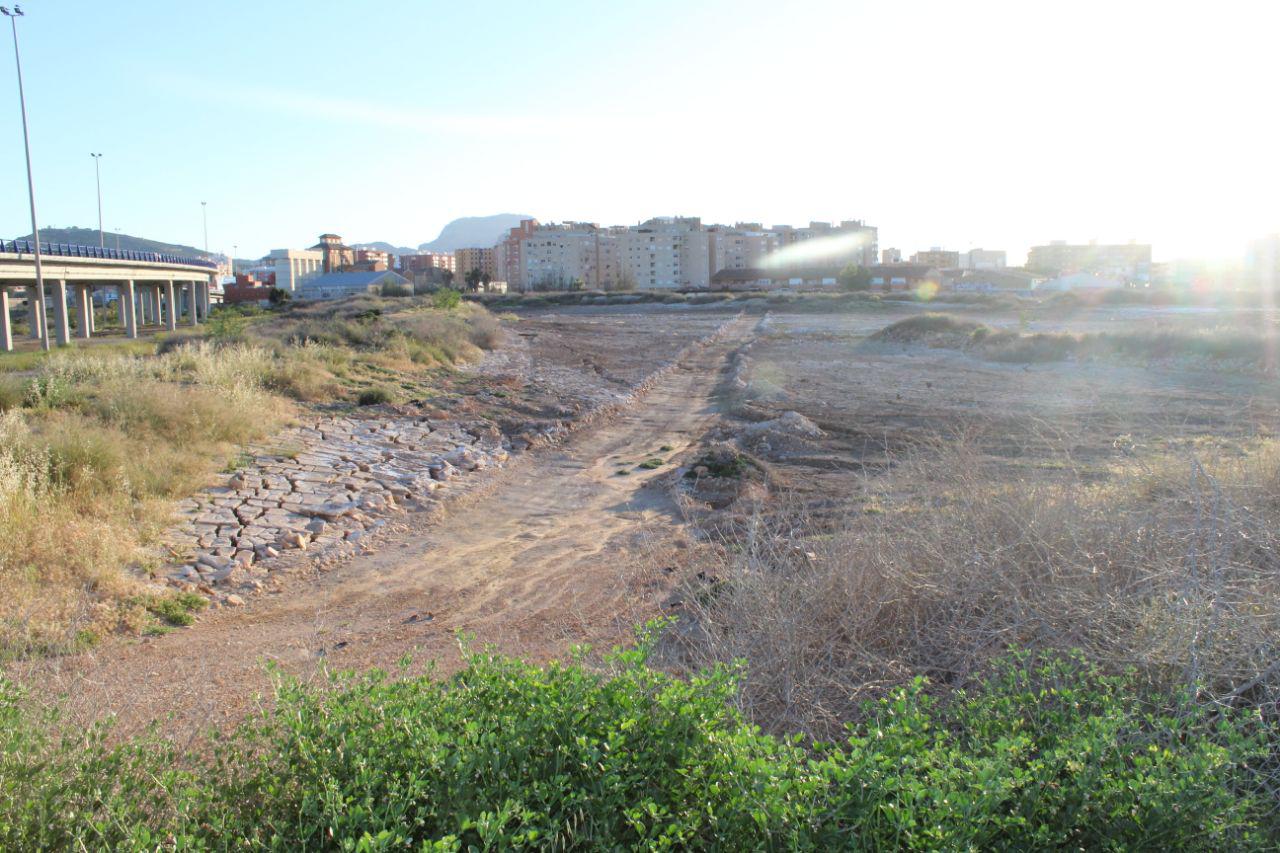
x=666, y=253
x=374, y=260
x=890, y=256
x=863, y=251
x=937, y=258
x=740, y=247
x=570, y=254
x=427, y=261
x=983, y=259
x=507, y=256
x=1128, y=261
x=291, y=267
x=466, y=260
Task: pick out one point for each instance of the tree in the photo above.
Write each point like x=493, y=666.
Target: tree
x=279, y=296
x=472, y=278
x=855, y=277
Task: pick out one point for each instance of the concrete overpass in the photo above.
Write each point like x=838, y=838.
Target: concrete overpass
x=153, y=288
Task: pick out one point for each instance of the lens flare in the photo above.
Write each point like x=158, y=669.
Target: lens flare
x=817, y=250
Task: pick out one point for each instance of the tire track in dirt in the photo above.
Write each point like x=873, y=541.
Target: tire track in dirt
x=554, y=554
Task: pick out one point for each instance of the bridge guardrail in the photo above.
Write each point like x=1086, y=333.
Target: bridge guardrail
x=70, y=250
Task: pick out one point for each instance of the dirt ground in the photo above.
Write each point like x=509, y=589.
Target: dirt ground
x=561, y=548
x=555, y=550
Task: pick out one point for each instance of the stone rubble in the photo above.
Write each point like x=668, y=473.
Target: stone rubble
x=351, y=474
x=355, y=471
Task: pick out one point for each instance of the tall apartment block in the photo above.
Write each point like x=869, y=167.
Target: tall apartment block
x=744, y=246
x=864, y=252
x=507, y=255
x=560, y=256
x=466, y=260
x=667, y=253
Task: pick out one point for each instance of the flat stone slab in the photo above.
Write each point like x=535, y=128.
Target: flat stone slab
x=349, y=474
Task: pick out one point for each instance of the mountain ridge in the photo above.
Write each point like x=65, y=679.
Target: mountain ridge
x=473, y=232
x=126, y=242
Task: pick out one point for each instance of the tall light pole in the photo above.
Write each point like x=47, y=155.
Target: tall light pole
x=97, y=171
x=204, y=212
x=31, y=184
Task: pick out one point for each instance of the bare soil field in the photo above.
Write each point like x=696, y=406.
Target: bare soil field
x=584, y=537
x=876, y=401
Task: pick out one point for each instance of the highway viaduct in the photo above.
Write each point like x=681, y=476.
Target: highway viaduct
x=153, y=288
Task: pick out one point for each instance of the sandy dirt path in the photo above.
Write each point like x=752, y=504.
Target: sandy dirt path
x=560, y=550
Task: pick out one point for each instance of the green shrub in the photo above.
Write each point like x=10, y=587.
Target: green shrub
x=446, y=299
x=1046, y=754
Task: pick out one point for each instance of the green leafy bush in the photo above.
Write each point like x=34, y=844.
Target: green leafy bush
x=1047, y=754
x=446, y=299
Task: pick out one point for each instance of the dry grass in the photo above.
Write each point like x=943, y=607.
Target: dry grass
x=1169, y=567
x=1222, y=345
x=89, y=465
x=332, y=351
x=96, y=444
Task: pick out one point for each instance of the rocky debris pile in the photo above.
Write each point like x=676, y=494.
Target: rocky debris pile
x=352, y=473
x=787, y=424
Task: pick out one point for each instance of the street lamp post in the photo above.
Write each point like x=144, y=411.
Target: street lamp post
x=31, y=184
x=97, y=171
x=204, y=212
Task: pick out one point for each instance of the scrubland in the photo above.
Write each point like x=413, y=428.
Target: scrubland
x=1235, y=345
x=946, y=597
x=97, y=443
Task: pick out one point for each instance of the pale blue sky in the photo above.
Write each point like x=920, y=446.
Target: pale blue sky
x=995, y=124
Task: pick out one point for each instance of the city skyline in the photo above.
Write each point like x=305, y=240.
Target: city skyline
x=942, y=126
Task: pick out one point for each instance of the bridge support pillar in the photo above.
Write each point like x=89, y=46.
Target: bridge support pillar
x=35, y=313
x=128, y=296
x=84, y=311
x=153, y=305
x=120, y=306
x=6, y=328
x=171, y=305
x=63, y=328
x=93, y=317
x=193, y=302
x=205, y=302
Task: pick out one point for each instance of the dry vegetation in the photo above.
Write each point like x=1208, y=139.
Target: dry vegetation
x=1169, y=567
x=1243, y=347
x=96, y=445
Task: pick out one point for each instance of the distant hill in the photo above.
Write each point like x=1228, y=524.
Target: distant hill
x=473, y=232
x=89, y=237
x=380, y=246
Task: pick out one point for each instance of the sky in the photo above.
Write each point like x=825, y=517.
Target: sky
x=979, y=124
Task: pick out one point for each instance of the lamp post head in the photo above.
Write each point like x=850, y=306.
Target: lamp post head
x=16, y=13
